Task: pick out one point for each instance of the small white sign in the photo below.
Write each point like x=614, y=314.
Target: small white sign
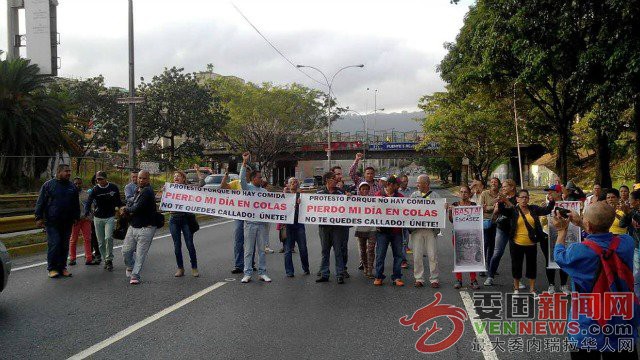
x=151, y=167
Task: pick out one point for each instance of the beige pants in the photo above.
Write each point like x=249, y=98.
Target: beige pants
x=424, y=242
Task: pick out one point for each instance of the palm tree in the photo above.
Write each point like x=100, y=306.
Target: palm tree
x=31, y=121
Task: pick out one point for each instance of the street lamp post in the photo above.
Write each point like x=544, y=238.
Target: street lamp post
x=329, y=86
x=132, y=93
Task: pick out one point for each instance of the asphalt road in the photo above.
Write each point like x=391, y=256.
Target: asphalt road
x=290, y=318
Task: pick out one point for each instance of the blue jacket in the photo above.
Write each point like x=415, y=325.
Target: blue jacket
x=582, y=264
x=58, y=202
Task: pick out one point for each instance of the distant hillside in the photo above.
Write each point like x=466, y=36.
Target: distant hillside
x=403, y=121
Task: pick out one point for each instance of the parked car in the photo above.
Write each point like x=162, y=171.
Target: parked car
x=214, y=181
x=192, y=176
x=308, y=184
x=5, y=266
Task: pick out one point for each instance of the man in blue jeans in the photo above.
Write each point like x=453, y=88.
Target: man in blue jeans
x=295, y=234
x=389, y=236
x=332, y=236
x=57, y=208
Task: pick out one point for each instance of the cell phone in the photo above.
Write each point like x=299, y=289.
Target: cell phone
x=563, y=212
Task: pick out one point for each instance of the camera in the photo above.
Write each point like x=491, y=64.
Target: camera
x=563, y=212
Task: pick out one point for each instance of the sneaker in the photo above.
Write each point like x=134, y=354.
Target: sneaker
x=489, y=281
x=97, y=260
x=551, y=290
x=53, y=274
x=265, y=278
x=418, y=284
x=522, y=286
x=377, y=282
x=404, y=265
x=108, y=265
x=435, y=284
x=92, y=262
x=307, y=272
x=245, y=279
x=398, y=282
x=268, y=250
x=361, y=267
x=565, y=289
x=474, y=285
x=66, y=273
x=179, y=273
x=236, y=271
x=134, y=281
x=340, y=280
x=128, y=271
x=322, y=279
x=457, y=285
x=346, y=274
x=72, y=262
x=290, y=275
x=195, y=273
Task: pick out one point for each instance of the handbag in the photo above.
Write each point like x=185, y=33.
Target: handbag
x=486, y=224
x=533, y=234
x=192, y=222
x=158, y=220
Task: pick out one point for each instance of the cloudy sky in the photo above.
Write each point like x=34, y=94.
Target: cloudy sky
x=400, y=42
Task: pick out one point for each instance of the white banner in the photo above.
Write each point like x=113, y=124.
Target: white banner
x=574, y=233
x=232, y=204
x=378, y=211
x=468, y=238
x=38, y=26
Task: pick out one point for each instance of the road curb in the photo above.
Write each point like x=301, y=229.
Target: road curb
x=27, y=249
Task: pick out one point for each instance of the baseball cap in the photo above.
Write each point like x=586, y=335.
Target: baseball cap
x=363, y=184
x=557, y=188
x=384, y=178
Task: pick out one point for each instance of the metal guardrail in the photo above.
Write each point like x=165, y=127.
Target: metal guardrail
x=18, y=197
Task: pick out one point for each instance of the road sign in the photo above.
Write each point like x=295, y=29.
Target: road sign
x=389, y=146
x=130, y=100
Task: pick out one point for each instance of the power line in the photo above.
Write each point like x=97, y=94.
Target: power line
x=274, y=47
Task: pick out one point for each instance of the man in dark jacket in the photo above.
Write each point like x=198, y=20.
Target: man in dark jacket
x=142, y=227
x=106, y=197
x=332, y=236
x=57, y=208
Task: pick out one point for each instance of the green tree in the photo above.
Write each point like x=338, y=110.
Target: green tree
x=31, y=121
x=269, y=121
x=542, y=48
x=474, y=126
x=179, y=110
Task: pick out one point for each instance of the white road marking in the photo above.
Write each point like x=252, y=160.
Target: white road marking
x=139, y=325
x=483, y=338
x=115, y=247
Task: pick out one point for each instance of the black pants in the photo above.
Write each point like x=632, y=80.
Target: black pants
x=518, y=254
x=95, y=248
x=58, y=235
x=596, y=355
x=551, y=273
x=489, y=243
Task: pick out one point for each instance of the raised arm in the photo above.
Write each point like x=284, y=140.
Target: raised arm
x=243, y=171
x=353, y=170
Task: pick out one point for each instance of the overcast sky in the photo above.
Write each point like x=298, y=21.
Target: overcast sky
x=400, y=42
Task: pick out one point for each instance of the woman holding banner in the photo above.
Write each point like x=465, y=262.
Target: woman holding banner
x=465, y=196
x=526, y=232
x=183, y=224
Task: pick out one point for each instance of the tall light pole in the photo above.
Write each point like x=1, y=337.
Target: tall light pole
x=132, y=93
x=329, y=86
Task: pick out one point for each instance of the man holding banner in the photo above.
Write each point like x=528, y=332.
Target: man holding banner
x=424, y=240
x=386, y=236
x=332, y=236
x=254, y=231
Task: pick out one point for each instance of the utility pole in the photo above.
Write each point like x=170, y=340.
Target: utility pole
x=132, y=94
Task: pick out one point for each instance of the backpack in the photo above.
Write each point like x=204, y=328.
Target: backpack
x=612, y=274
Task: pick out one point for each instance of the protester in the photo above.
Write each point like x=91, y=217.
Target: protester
x=631, y=221
x=57, y=208
x=142, y=227
x=130, y=188
x=571, y=192
x=107, y=198
x=332, y=236
x=337, y=170
x=424, y=240
x=613, y=199
x=595, y=195
x=404, y=188
x=382, y=183
x=295, y=234
x=624, y=195
x=389, y=236
x=488, y=200
x=406, y=191
x=465, y=200
x=589, y=264
x=238, y=232
x=254, y=232
x=525, y=232
x=180, y=223
x=369, y=175
x=366, y=236
x=544, y=246
x=506, y=199
x=82, y=226
x=477, y=188
x=95, y=247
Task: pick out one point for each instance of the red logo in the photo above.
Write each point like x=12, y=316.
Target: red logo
x=434, y=310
